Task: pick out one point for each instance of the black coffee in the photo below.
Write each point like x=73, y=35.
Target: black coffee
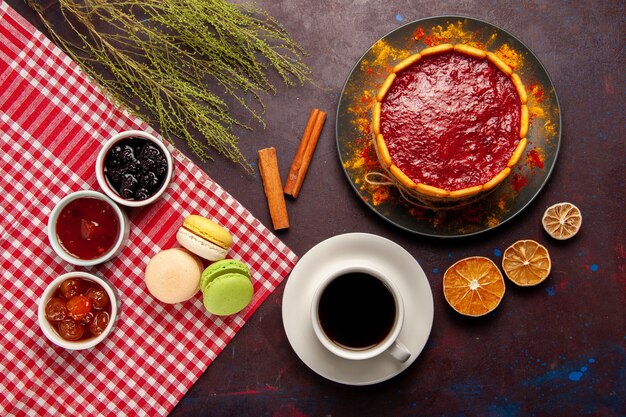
x=357, y=311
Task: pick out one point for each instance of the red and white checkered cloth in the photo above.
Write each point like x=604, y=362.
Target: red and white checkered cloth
x=52, y=122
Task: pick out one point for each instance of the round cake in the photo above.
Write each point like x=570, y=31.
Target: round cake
x=450, y=122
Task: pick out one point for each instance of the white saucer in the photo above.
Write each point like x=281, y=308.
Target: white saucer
x=361, y=249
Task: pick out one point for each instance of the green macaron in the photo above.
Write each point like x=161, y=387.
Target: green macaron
x=226, y=287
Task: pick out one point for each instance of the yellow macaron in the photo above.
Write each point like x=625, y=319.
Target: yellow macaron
x=204, y=237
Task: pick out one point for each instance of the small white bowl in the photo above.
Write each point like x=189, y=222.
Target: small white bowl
x=115, y=249
x=106, y=186
x=49, y=331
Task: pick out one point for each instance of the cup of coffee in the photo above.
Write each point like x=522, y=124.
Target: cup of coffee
x=357, y=313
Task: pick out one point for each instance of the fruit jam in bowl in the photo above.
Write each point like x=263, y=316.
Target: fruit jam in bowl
x=134, y=168
x=87, y=228
x=78, y=310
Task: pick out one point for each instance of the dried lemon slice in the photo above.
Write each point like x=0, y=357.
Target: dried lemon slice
x=526, y=263
x=473, y=286
x=562, y=220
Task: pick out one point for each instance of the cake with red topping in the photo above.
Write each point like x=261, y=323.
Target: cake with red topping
x=450, y=122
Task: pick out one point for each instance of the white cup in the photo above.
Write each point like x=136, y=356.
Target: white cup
x=389, y=344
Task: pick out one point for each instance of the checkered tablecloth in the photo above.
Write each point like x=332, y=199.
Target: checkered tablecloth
x=52, y=122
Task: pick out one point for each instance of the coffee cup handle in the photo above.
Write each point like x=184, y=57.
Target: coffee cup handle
x=399, y=351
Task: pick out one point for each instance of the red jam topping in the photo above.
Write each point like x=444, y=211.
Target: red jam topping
x=451, y=121
x=87, y=228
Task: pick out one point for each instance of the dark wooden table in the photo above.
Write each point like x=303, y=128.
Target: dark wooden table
x=557, y=349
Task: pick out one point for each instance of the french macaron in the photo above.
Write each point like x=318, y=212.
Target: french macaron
x=173, y=275
x=226, y=287
x=204, y=237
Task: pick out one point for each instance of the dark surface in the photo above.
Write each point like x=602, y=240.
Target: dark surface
x=557, y=349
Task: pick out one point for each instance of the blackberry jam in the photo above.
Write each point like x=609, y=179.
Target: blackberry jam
x=135, y=168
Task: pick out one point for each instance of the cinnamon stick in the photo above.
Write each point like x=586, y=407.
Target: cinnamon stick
x=302, y=159
x=268, y=166
x=297, y=160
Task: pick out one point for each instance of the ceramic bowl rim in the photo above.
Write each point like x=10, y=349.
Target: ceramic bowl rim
x=54, y=240
x=52, y=335
x=103, y=182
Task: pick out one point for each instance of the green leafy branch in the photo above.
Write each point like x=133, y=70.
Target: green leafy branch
x=180, y=59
